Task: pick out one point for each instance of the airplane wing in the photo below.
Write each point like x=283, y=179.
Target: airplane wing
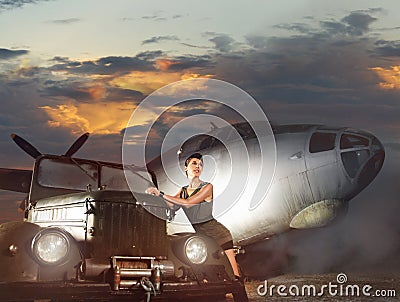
x=15, y=180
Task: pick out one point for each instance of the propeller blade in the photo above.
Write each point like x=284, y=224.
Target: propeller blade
x=24, y=145
x=77, y=145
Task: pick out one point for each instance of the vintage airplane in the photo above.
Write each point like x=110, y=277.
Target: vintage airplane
x=318, y=170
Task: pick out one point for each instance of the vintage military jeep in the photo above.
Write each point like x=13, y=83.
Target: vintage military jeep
x=87, y=237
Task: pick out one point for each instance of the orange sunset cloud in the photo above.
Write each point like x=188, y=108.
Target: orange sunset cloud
x=164, y=64
x=390, y=77
x=147, y=82
x=95, y=118
x=96, y=92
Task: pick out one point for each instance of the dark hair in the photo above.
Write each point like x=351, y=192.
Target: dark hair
x=194, y=155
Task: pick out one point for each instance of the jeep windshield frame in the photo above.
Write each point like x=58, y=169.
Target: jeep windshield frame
x=55, y=175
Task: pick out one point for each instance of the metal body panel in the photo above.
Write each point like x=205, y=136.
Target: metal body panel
x=109, y=222
x=20, y=263
x=323, y=173
x=18, y=266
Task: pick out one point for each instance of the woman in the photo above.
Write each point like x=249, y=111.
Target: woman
x=196, y=200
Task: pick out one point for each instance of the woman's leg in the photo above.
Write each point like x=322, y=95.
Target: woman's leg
x=232, y=259
x=221, y=234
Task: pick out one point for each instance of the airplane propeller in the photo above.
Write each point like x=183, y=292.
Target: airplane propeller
x=32, y=151
x=77, y=145
x=24, y=145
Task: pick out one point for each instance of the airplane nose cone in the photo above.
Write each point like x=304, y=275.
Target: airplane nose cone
x=373, y=165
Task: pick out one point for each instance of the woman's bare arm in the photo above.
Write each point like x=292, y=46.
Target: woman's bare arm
x=205, y=192
x=156, y=192
x=170, y=204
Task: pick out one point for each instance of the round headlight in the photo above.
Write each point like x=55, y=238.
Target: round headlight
x=196, y=250
x=51, y=246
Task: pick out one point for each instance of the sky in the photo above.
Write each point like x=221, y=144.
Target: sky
x=70, y=67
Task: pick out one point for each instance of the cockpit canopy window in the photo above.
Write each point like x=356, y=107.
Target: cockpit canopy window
x=353, y=160
x=322, y=141
x=348, y=141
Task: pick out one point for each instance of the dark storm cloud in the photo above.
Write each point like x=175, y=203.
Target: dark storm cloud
x=149, y=55
x=153, y=17
x=298, y=64
x=355, y=24
x=121, y=94
x=297, y=27
x=26, y=73
x=358, y=22
x=195, y=46
x=372, y=10
x=306, y=67
x=257, y=41
x=60, y=59
x=334, y=27
x=82, y=93
x=144, y=61
x=11, y=4
x=66, y=21
x=189, y=62
x=6, y=54
x=387, y=48
x=150, y=17
x=109, y=65
x=157, y=16
x=66, y=91
x=126, y=19
x=223, y=43
x=158, y=39
x=116, y=64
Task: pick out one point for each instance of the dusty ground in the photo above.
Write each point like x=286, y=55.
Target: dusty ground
x=388, y=286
